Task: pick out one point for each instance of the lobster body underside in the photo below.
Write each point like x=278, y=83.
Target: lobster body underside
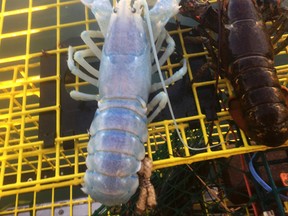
x=247, y=58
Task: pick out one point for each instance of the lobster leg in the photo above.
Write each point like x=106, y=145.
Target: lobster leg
x=175, y=77
x=276, y=24
x=91, y=52
x=159, y=42
x=281, y=46
x=80, y=96
x=282, y=29
x=280, y=32
x=160, y=100
x=80, y=56
x=76, y=71
x=206, y=41
x=169, y=50
x=87, y=38
x=278, y=28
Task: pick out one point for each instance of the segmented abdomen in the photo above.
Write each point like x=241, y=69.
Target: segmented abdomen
x=248, y=61
x=115, y=151
x=263, y=104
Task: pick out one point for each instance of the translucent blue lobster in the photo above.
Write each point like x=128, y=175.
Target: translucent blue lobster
x=119, y=128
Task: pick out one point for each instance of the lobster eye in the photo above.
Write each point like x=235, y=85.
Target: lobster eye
x=133, y=10
x=115, y=10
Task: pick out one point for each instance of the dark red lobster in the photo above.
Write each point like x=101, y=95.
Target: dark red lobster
x=246, y=56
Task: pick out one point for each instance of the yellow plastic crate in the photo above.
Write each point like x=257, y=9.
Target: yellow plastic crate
x=27, y=29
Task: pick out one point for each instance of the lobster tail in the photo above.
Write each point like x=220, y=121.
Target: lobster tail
x=247, y=57
x=109, y=190
x=261, y=100
x=268, y=124
x=115, y=151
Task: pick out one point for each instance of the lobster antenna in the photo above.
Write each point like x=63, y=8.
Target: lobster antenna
x=146, y=14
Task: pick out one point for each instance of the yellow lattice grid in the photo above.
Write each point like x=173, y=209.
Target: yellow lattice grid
x=24, y=38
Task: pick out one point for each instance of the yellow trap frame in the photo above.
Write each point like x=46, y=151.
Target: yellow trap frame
x=27, y=32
